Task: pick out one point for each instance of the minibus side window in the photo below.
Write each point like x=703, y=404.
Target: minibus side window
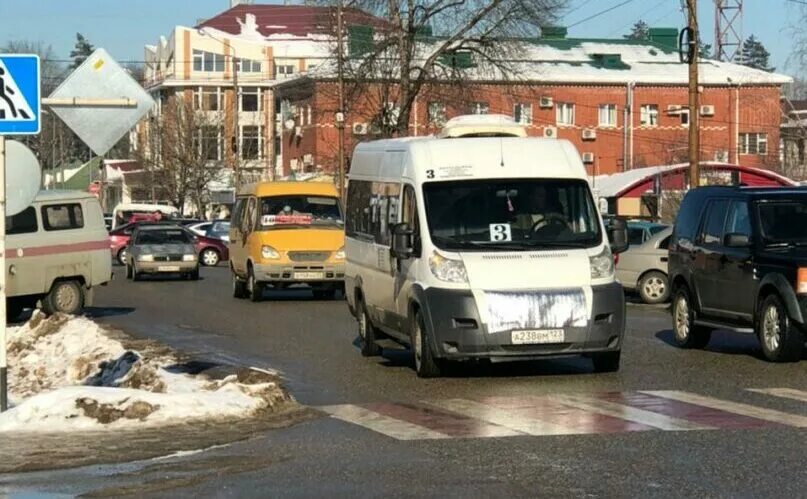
x=238, y=212
x=22, y=223
x=248, y=222
x=409, y=215
x=62, y=216
x=358, y=217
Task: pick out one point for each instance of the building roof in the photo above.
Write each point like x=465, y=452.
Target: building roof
x=297, y=20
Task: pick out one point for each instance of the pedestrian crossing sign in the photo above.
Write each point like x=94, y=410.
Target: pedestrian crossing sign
x=20, y=102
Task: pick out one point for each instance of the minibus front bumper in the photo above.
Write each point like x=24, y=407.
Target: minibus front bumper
x=296, y=273
x=458, y=333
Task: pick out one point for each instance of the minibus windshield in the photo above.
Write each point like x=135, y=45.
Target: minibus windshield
x=511, y=214
x=300, y=211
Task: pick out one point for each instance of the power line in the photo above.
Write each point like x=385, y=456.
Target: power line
x=598, y=14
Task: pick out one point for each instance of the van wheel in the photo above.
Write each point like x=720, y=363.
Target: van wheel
x=367, y=334
x=781, y=340
x=685, y=332
x=254, y=288
x=426, y=365
x=66, y=297
x=209, y=257
x=606, y=362
x=239, y=286
x=654, y=288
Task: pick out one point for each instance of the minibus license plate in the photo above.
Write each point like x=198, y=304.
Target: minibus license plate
x=535, y=336
x=168, y=268
x=309, y=275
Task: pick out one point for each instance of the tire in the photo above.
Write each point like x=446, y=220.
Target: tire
x=194, y=276
x=685, y=332
x=654, y=287
x=606, y=362
x=122, y=256
x=426, y=365
x=65, y=297
x=254, y=288
x=367, y=334
x=209, y=257
x=128, y=271
x=239, y=286
x=136, y=276
x=781, y=340
x=324, y=294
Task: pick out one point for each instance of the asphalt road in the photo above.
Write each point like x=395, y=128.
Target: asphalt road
x=700, y=431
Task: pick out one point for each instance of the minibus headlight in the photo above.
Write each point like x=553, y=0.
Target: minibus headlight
x=447, y=269
x=145, y=258
x=188, y=258
x=269, y=253
x=340, y=253
x=602, y=264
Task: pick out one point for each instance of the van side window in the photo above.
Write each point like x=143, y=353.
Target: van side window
x=248, y=221
x=712, y=232
x=385, y=212
x=357, y=222
x=62, y=216
x=409, y=215
x=22, y=223
x=738, y=220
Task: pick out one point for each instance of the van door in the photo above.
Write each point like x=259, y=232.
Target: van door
x=240, y=228
x=21, y=233
x=384, y=207
x=406, y=271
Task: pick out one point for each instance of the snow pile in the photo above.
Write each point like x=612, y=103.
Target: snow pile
x=67, y=373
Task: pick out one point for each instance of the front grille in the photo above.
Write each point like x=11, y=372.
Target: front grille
x=308, y=256
x=528, y=309
x=167, y=258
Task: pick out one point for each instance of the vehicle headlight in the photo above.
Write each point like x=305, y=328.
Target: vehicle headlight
x=145, y=258
x=188, y=258
x=340, y=253
x=602, y=264
x=447, y=269
x=269, y=253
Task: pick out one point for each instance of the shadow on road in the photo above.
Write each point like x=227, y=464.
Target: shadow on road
x=723, y=342
x=100, y=312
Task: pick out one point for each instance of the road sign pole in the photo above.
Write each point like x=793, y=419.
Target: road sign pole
x=3, y=360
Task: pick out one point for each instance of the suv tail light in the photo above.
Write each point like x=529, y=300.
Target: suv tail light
x=801, y=281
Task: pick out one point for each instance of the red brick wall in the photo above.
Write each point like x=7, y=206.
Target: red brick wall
x=662, y=144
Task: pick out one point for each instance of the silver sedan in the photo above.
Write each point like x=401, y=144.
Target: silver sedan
x=643, y=268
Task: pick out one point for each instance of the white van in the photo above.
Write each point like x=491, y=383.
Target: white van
x=123, y=212
x=480, y=248
x=58, y=252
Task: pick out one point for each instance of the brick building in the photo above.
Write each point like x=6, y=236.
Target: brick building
x=623, y=103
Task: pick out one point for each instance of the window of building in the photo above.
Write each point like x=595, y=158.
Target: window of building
x=250, y=99
x=437, y=113
x=208, y=99
x=522, y=114
x=479, y=108
x=251, y=142
x=607, y=115
x=62, y=216
x=754, y=143
x=207, y=61
x=248, y=66
x=308, y=113
x=648, y=115
x=564, y=112
x=283, y=70
x=391, y=114
x=684, y=114
x=210, y=142
x=23, y=222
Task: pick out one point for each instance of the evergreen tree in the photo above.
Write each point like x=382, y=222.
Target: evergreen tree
x=754, y=55
x=640, y=31
x=705, y=50
x=82, y=50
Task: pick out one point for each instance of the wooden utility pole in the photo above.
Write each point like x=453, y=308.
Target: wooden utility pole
x=694, y=145
x=236, y=148
x=340, y=115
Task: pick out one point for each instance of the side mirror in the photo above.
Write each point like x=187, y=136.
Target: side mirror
x=618, y=236
x=736, y=240
x=402, y=241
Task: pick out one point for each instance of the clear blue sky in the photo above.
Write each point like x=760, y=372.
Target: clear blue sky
x=124, y=26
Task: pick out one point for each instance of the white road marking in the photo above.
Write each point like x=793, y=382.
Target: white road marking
x=734, y=407
x=503, y=417
x=386, y=425
x=627, y=413
x=788, y=393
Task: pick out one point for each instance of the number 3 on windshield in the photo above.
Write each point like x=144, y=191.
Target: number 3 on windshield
x=429, y=174
x=500, y=232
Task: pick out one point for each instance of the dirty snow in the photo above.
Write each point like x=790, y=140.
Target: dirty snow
x=68, y=373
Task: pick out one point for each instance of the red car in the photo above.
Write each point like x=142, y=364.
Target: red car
x=211, y=251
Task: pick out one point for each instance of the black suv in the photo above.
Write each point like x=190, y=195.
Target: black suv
x=738, y=261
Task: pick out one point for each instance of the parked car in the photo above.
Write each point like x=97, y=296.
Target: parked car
x=639, y=231
x=161, y=249
x=199, y=228
x=219, y=229
x=57, y=253
x=211, y=251
x=738, y=261
x=643, y=268
x=126, y=213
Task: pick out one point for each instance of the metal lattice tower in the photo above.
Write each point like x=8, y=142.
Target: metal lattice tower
x=728, y=29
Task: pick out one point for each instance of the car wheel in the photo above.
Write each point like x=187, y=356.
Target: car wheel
x=254, y=288
x=606, y=362
x=426, y=365
x=122, y=256
x=210, y=257
x=654, y=288
x=781, y=340
x=367, y=334
x=66, y=297
x=136, y=276
x=685, y=332
x=128, y=271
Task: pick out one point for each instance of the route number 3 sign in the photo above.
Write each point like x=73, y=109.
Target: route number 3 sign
x=500, y=232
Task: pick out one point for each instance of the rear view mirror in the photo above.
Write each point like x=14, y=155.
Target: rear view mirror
x=736, y=240
x=618, y=235
x=402, y=236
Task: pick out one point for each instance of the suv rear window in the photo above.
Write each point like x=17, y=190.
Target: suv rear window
x=784, y=221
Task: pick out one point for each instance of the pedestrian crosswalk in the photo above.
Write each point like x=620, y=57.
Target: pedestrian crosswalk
x=569, y=414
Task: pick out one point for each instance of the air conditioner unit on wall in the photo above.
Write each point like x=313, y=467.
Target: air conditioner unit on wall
x=308, y=159
x=707, y=110
x=674, y=108
x=722, y=156
x=360, y=128
x=551, y=132
x=588, y=157
x=545, y=102
x=589, y=134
